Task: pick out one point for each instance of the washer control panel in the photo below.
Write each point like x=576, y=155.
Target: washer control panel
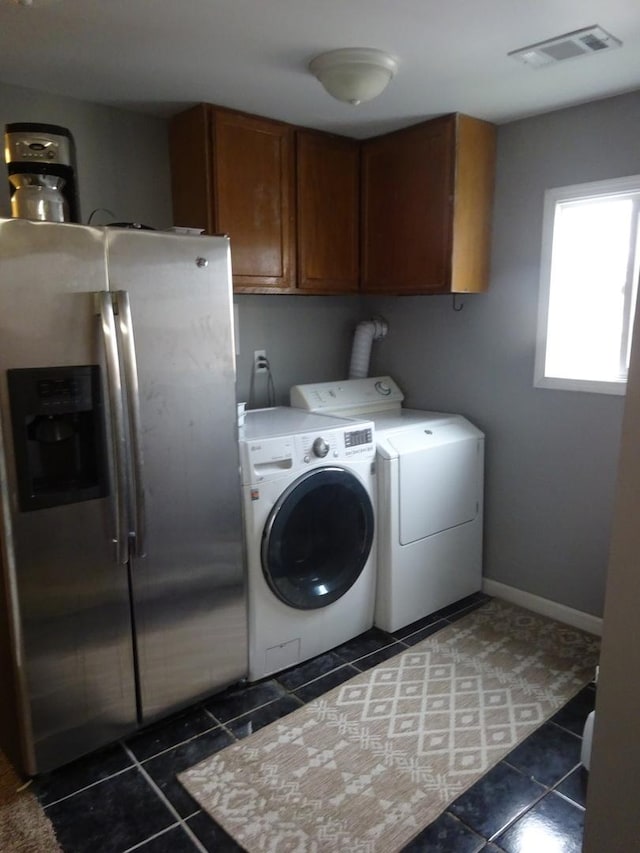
x=275, y=456
x=337, y=444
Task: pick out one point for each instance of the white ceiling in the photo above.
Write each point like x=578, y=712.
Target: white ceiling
x=159, y=56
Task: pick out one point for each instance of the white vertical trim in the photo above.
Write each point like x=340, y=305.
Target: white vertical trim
x=544, y=606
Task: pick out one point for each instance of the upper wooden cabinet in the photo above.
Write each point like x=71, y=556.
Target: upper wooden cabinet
x=309, y=212
x=234, y=174
x=328, y=189
x=427, y=196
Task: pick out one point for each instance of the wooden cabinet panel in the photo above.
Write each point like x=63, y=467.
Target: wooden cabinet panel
x=407, y=188
x=254, y=197
x=234, y=174
x=426, y=207
x=327, y=212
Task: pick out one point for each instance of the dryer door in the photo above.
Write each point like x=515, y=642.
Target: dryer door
x=317, y=538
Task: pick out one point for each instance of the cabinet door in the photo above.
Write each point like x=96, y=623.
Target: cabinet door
x=254, y=198
x=407, y=206
x=328, y=212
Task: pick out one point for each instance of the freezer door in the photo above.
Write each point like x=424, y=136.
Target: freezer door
x=188, y=576
x=69, y=607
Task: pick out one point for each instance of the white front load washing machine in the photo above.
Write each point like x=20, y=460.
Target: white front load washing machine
x=309, y=509
x=430, y=469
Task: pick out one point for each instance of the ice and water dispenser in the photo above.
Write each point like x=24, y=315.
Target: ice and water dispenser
x=57, y=420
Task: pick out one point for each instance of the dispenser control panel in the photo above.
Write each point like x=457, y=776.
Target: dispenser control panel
x=58, y=435
x=71, y=392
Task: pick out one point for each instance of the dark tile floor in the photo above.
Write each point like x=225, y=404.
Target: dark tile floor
x=126, y=797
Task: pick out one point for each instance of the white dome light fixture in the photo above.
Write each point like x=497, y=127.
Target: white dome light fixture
x=354, y=74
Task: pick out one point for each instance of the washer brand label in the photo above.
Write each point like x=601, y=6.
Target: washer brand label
x=255, y=494
x=358, y=451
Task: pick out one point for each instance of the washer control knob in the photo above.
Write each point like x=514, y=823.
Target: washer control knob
x=320, y=447
x=382, y=388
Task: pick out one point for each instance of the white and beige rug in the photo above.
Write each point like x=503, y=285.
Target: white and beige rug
x=365, y=767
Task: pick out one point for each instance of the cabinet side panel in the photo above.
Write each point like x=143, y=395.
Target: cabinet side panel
x=328, y=205
x=191, y=169
x=475, y=176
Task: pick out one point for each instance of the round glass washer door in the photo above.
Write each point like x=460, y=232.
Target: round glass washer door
x=317, y=538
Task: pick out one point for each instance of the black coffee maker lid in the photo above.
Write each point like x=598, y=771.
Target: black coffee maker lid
x=36, y=127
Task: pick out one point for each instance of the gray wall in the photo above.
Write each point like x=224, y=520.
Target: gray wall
x=551, y=455
x=122, y=157
x=307, y=339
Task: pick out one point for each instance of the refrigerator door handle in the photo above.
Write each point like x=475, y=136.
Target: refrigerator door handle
x=118, y=431
x=128, y=351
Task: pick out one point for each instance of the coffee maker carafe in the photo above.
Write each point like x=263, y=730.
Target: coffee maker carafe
x=40, y=164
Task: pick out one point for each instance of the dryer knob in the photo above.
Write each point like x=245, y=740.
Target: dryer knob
x=320, y=447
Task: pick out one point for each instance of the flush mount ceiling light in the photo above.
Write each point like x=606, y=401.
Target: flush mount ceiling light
x=354, y=74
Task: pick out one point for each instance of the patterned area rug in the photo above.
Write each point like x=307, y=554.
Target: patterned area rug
x=24, y=827
x=371, y=763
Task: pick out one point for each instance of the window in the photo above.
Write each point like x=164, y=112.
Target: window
x=588, y=285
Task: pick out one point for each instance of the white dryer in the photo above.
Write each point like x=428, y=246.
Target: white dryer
x=430, y=468
x=309, y=509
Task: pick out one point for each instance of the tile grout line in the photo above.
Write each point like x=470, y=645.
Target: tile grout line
x=175, y=745
x=152, y=838
x=293, y=691
x=251, y=711
x=167, y=803
x=87, y=787
x=223, y=726
x=562, y=728
x=547, y=790
x=566, y=796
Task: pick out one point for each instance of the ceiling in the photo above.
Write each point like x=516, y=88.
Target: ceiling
x=159, y=56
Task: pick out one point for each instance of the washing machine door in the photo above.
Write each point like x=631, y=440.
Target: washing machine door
x=317, y=538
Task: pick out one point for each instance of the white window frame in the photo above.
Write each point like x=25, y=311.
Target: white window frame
x=577, y=192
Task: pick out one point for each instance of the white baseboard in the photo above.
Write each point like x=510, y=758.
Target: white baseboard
x=544, y=606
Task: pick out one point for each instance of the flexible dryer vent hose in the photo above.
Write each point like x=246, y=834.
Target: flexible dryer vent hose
x=367, y=331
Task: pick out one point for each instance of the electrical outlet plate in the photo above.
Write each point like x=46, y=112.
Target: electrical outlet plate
x=257, y=355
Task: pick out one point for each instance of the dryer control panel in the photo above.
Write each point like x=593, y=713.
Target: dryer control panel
x=350, y=397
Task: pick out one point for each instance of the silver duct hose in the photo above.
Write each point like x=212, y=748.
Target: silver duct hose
x=367, y=331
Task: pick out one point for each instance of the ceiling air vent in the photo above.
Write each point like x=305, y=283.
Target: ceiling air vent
x=568, y=46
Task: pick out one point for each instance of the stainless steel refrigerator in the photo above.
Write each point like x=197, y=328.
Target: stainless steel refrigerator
x=121, y=539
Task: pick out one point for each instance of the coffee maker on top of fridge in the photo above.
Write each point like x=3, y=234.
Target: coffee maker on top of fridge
x=41, y=168
x=121, y=558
